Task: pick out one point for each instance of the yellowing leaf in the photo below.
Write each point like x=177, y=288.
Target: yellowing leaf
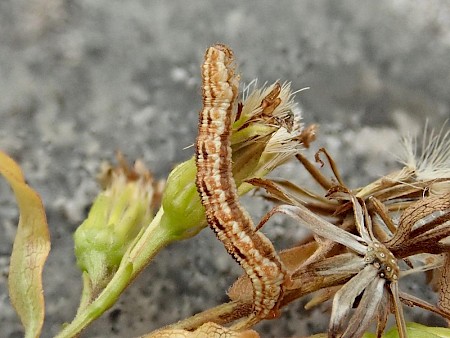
x=30, y=250
x=207, y=330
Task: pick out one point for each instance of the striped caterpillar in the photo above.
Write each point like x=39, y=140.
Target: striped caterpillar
x=217, y=188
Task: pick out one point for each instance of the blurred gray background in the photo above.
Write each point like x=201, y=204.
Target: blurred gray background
x=81, y=79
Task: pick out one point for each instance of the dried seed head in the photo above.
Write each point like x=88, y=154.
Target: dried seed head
x=273, y=104
x=430, y=158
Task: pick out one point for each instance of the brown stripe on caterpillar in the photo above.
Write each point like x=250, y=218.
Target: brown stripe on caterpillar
x=216, y=186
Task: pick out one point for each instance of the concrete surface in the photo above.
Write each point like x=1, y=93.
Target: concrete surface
x=80, y=79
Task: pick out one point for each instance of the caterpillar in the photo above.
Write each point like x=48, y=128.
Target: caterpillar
x=214, y=180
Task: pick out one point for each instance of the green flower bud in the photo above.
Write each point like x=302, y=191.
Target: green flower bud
x=184, y=215
x=116, y=217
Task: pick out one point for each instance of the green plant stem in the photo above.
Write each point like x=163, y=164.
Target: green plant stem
x=87, y=293
x=103, y=302
x=152, y=240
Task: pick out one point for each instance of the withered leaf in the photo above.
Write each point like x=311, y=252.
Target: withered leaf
x=444, y=286
x=207, y=330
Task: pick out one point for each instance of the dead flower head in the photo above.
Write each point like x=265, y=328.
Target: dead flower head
x=370, y=268
x=400, y=219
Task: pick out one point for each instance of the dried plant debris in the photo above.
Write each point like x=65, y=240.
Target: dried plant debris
x=403, y=217
x=208, y=330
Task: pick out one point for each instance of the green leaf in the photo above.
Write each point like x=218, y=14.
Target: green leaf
x=416, y=330
x=30, y=250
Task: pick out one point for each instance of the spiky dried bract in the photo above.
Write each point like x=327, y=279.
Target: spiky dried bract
x=422, y=225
